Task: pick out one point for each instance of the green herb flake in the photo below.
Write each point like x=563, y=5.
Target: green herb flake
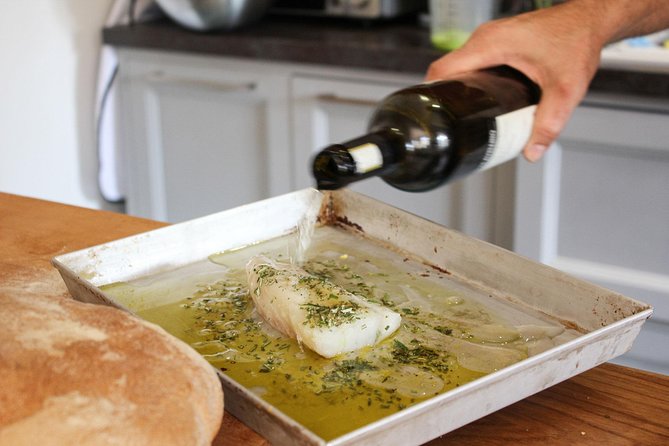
x=331, y=315
x=347, y=372
x=444, y=330
x=385, y=300
x=411, y=311
x=270, y=364
x=419, y=355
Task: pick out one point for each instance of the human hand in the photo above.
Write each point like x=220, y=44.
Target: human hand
x=554, y=47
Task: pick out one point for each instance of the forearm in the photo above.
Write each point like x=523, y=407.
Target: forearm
x=558, y=48
x=613, y=20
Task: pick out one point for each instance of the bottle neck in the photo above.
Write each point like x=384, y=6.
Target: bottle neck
x=370, y=155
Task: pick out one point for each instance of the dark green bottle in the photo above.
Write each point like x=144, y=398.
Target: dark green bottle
x=426, y=135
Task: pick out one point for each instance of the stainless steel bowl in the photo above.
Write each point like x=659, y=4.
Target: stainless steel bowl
x=205, y=15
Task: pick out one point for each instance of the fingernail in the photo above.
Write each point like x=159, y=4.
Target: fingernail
x=535, y=152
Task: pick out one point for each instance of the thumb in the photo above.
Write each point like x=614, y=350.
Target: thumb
x=550, y=118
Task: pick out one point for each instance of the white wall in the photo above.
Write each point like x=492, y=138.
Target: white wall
x=48, y=76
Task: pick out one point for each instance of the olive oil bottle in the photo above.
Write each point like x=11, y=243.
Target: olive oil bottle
x=426, y=135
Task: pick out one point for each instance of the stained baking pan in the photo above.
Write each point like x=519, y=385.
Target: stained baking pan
x=603, y=324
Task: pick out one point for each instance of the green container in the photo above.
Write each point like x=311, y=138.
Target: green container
x=453, y=21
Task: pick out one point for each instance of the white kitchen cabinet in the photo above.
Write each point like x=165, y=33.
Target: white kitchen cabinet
x=598, y=208
x=200, y=135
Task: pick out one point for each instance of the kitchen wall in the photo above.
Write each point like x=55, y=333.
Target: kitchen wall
x=49, y=51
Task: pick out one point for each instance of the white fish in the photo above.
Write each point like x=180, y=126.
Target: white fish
x=319, y=314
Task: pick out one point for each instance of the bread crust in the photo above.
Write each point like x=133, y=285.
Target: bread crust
x=84, y=374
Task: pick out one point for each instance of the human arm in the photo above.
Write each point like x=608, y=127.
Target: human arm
x=558, y=48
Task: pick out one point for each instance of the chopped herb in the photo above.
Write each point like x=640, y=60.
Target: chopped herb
x=331, y=316
x=347, y=372
x=419, y=355
x=385, y=300
x=444, y=330
x=361, y=289
x=228, y=335
x=411, y=311
x=270, y=364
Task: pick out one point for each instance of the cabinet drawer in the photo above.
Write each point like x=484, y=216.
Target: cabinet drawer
x=201, y=135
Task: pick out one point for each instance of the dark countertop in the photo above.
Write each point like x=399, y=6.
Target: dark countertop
x=401, y=47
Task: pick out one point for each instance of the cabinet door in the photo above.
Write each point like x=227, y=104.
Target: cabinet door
x=201, y=136
x=327, y=111
x=598, y=207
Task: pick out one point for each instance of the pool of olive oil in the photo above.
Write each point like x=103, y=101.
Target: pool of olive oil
x=451, y=332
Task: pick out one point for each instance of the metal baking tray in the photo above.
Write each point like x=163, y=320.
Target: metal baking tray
x=607, y=322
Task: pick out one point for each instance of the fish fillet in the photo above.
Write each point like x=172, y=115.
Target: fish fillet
x=319, y=314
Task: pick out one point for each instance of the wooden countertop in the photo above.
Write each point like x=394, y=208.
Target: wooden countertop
x=396, y=46
x=608, y=405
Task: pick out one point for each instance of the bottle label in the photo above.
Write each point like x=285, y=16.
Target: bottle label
x=511, y=133
x=367, y=157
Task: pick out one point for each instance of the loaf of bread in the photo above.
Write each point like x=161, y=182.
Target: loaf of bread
x=82, y=374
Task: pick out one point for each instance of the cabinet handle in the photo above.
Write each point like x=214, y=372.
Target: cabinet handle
x=159, y=77
x=334, y=99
